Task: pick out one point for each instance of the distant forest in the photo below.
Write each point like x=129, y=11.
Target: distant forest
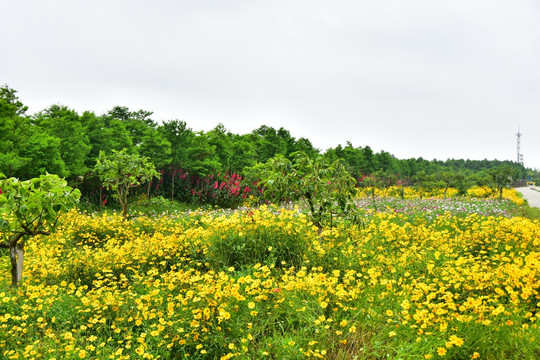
x=60, y=141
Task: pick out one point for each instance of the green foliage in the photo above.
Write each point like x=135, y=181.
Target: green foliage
x=59, y=140
x=328, y=189
x=501, y=177
x=29, y=208
x=222, y=143
x=13, y=131
x=73, y=143
x=202, y=159
x=158, y=205
x=532, y=213
x=265, y=243
x=244, y=153
x=121, y=171
x=106, y=134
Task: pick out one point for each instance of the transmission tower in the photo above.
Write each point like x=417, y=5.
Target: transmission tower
x=519, y=154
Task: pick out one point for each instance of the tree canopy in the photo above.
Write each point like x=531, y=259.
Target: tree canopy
x=61, y=141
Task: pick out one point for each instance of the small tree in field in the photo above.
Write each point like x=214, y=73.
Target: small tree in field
x=121, y=171
x=327, y=188
x=502, y=177
x=30, y=208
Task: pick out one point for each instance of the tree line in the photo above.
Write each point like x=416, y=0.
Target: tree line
x=59, y=140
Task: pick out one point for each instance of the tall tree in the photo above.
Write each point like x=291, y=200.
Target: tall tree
x=202, y=158
x=43, y=153
x=13, y=126
x=180, y=137
x=268, y=143
x=105, y=134
x=65, y=124
x=221, y=141
x=244, y=152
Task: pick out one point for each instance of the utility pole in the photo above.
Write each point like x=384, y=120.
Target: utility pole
x=519, y=154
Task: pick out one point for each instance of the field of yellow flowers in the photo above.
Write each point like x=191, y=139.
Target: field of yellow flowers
x=453, y=278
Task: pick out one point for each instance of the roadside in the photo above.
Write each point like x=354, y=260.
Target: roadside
x=531, y=194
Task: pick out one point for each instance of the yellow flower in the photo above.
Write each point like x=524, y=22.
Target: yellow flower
x=454, y=340
x=441, y=351
x=251, y=305
x=475, y=355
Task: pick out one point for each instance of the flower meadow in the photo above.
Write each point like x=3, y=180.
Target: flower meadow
x=455, y=278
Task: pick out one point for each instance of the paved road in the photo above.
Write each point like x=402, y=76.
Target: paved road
x=531, y=194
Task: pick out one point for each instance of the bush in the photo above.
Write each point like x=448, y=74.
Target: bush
x=268, y=241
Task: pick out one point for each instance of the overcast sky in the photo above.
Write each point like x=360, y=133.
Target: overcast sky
x=421, y=78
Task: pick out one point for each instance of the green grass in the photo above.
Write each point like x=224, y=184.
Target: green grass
x=153, y=206
x=530, y=212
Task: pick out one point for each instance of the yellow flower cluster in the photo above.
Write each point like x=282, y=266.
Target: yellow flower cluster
x=485, y=192
x=406, y=192
x=413, y=192
x=104, y=288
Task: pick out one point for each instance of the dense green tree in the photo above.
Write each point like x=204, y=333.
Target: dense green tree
x=137, y=123
x=43, y=154
x=385, y=161
x=105, y=134
x=13, y=126
x=66, y=125
x=156, y=147
x=304, y=145
x=268, y=143
x=222, y=143
x=180, y=138
x=287, y=141
x=370, y=164
x=355, y=159
x=244, y=153
x=202, y=158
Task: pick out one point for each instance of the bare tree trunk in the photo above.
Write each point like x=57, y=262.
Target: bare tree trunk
x=172, y=188
x=16, y=253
